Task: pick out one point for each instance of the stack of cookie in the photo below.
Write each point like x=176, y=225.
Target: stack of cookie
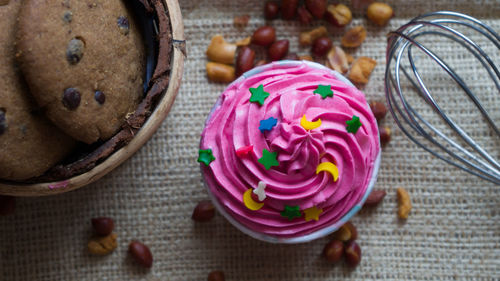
x=71, y=71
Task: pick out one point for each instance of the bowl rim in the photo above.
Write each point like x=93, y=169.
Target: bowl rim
x=141, y=137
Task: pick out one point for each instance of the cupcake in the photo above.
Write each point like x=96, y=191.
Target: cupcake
x=290, y=152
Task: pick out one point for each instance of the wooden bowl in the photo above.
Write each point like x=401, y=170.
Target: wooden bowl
x=177, y=56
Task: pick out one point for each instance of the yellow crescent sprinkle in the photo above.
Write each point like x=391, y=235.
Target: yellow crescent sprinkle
x=249, y=202
x=328, y=167
x=309, y=125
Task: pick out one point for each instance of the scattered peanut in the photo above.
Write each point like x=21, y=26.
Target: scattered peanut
x=333, y=251
x=306, y=57
x=339, y=15
x=352, y=254
x=379, y=13
x=307, y=37
x=7, y=205
x=360, y=4
x=321, y=46
x=385, y=135
x=204, y=211
x=264, y=36
x=218, y=72
x=346, y=232
x=379, y=109
x=278, y=50
x=103, y=226
x=404, y=203
x=141, y=253
x=289, y=8
x=350, y=59
x=316, y=7
x=241, y=21
x=354, y=37
x=336, y=59
x=271, y=10
x=244, y=42
x=221, y=51
x=102, y=245
x=375, y=197
x=244, y=60
x=304, y=16
x=216, y=275
x=361, y=69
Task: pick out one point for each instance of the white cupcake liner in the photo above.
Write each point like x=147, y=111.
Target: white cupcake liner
x=318, y=233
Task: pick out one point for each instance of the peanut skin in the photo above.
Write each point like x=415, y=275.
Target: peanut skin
x=245, y=60
x=404, y=203
x=307, y=37
x=221, y=51
x=218, y=72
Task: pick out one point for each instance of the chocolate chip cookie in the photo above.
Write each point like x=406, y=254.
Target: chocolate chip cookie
x=29, y=143
x=84, y=63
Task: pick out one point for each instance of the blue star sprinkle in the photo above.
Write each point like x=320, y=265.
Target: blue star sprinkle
x=268, y=124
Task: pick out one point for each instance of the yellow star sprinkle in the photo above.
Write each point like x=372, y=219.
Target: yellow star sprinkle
x=312, y=213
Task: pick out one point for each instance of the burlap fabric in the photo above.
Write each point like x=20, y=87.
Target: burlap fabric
x=453, y=232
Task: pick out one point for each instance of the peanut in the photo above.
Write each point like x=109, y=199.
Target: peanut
x=289, y=8
x=278, y=50
x=321, y=46
x=141, y=253
x=103, y=226
x=379, y=109
x=244, y=42
x=333, y=251
x=352, y=254
x=361, y=69
x=102, y=245
x=379, y=13
x=218, y=72
x=343, y=233
x=264, y=36
x=216, y=275
x=404, y=203
x=271, y=10
x=316, y=7
x=307, y=37
x=375, y=197
x=306, y=57
x=261, y=62
x=244, y=60
x=337, y=60
x=204, y=211
x=304, y=16
x=385, y=135
x=354, y=37
x=241, y=21
x=221, y=51
x=338, y=15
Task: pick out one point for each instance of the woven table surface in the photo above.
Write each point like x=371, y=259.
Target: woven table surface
x=453, y=232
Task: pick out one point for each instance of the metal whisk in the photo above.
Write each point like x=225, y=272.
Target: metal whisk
x=451, y=144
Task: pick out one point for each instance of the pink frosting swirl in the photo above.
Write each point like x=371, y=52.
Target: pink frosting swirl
x=234, y=123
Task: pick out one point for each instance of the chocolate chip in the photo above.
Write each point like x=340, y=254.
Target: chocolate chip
x=71, y=98
x=74, y=53
x=123, y=24
x=3, y=122
x=99, y=97
x=67, y=16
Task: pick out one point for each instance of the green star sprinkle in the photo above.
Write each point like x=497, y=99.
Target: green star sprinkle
x=291, y=212
x=324, y=90
x=268, y=159
x=205, y=156
x=258, y=94
x=353, y=124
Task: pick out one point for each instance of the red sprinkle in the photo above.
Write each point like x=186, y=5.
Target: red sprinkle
x=242, y=151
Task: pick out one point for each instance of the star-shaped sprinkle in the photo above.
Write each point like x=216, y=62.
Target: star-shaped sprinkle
x=324, y=90
x=291, y=212
x=243, y=151
x=268, y=159
x=258, y=94
x=353, y=124
x=260, y=191
x=312, y=213
x=267, y=124
x=205, y=156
